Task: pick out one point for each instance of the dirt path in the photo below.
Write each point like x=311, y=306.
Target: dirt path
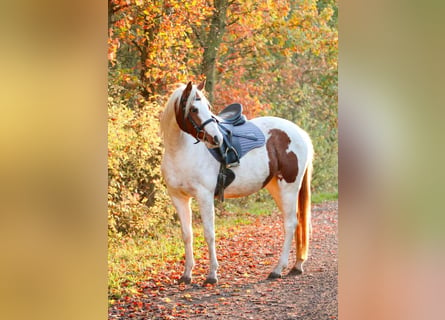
x=247, y=255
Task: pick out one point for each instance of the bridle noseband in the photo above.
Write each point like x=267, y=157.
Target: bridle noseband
x=200, y=128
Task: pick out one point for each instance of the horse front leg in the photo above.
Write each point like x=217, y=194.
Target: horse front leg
x=182, y=205
x=207, y=210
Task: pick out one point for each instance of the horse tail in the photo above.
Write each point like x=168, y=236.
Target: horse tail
x=304, y=227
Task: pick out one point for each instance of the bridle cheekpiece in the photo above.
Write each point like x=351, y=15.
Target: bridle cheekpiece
x=200, y=128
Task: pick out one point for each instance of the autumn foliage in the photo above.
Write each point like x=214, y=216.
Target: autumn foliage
x=275, y=57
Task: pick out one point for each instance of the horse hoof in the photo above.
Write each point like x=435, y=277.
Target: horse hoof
x=295, y=272
x=274, y=275
x=210, y=281
x=185, y=280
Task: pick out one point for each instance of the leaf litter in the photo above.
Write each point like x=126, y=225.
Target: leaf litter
x=246, y=256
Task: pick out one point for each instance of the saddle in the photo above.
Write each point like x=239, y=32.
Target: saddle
x=239, y=137
x=233, y=115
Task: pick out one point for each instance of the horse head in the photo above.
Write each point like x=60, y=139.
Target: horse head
x=194, y=117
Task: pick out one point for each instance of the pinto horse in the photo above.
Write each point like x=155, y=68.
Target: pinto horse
x=283, y=166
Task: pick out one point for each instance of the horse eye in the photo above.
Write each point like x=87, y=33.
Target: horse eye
x=194, y=110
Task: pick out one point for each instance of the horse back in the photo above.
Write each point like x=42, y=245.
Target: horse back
x=286, y=154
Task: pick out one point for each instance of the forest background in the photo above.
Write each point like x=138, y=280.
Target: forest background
x=276, y=58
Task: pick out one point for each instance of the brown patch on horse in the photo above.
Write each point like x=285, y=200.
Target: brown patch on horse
x=185, y=95
x=283, y=164
x=180, y=118
x=183, y=120
x=180, y=106
x=274, y=190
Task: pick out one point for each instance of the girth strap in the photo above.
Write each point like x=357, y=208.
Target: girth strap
x=225, y=177
x=228, y=147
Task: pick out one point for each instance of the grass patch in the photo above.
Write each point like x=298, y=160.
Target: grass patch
x=257, y=204
x=320, y=197
x=132, y=261
x=254, y=208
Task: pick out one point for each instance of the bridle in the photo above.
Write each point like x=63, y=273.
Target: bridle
x=200, y=129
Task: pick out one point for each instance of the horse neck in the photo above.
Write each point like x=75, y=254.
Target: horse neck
x=175, y=139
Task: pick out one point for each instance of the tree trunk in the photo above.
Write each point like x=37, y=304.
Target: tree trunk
x=212, y=42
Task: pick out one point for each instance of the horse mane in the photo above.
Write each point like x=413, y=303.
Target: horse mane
x=168, y=117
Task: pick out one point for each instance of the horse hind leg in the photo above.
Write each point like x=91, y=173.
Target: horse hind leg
x=285, y=196
x=182, y=205
x=303, y=230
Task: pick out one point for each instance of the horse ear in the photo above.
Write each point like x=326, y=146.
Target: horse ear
x=186, y=93
x=188, y=89
x=202, y=85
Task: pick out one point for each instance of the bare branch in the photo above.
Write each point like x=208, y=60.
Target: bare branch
x=140, y=49
x=233, y=21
